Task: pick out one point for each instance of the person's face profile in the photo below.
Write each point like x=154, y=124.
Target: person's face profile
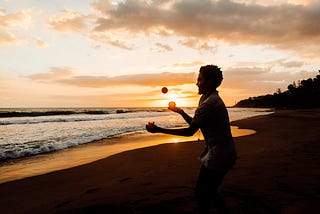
x=201, y=84
x=204, y=85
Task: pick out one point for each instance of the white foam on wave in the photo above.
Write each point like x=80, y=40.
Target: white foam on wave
x=37, y=135
x=74, y=118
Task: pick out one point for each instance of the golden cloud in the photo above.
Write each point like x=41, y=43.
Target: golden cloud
x=188, y=64
x=292, y=26
x=18, y=19
x=54, y=74
x=249, y=78
x=65, y=75
x=159, y=79
x=160, y=47
x=110, y=40
x=68, y=21
x=198, y=44
x=285, y=26
x=279, y=62
x=261, y=79
x=10, y=22
x=7, y=38
x=102, y=5
x=39, y=42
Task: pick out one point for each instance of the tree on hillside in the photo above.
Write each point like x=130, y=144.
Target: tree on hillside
x=305, y=94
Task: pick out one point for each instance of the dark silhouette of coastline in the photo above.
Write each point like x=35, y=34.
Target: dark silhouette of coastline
x=304, y=94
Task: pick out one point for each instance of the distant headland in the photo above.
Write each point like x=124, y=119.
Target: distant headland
x=303, y=94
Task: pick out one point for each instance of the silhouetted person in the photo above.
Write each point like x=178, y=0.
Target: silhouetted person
x=219, y=155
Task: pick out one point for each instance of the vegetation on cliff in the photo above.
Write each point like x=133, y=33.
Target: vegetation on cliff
x=303, y=94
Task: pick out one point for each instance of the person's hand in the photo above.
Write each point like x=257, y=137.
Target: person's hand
x=175, y=109
x=151, y=127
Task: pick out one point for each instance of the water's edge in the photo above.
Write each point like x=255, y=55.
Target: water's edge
x=87, y=153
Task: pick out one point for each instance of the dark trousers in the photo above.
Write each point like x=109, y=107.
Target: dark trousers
x=206, y=190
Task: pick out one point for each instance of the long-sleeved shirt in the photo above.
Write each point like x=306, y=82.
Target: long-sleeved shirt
x=213, y=119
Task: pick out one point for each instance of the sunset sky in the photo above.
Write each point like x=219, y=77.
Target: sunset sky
x=108, y=53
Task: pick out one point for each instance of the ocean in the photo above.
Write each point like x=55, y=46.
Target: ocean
x=31, y=131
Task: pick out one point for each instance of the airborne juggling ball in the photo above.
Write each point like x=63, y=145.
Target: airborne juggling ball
x=164, y=90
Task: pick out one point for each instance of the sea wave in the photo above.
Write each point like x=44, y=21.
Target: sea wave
x=55, y=140
x=34, y=117
x=31, y=135
x=9, y=113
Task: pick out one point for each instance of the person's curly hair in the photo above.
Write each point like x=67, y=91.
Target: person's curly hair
x=213, y=73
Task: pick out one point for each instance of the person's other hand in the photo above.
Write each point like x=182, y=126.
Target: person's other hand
x=151, y=127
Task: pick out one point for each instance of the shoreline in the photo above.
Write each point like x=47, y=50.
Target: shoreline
x=87, y=153
x=277, y=171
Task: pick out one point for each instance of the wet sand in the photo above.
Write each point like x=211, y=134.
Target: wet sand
x=277, y=171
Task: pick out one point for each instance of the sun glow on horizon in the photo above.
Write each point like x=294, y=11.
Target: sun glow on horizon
x=180, y=102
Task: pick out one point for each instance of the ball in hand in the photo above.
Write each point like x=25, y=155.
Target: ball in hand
x=150, y=125
x=172, y=104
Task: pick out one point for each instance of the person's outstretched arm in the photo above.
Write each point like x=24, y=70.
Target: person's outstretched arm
x=180, y=111
x=188, y=131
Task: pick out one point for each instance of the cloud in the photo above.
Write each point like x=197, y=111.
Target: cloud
x=39, y=42
x=250, y=78
x=101, y=6
x=110, y=40
x=198, y=45
x=247, y=71
x=160, y=79
x=68, y=21
x=130, y=15
x=276, y=2
x=10, y=24
x=64, y=75
x=13, y=20
x=54, y=74
x=285, y=26
x=292, y=64
x=188, y=64
x=7, y=38
x=279, y=62
x=160, y=47
x=261, y=80
x=182, y=66
x=303, y=2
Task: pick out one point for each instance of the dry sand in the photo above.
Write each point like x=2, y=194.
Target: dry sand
x=277, y=171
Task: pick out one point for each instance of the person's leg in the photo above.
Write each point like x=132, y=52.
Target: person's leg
x=201, y=191
x=216, y=178
x=219, y=203
x=206, y=190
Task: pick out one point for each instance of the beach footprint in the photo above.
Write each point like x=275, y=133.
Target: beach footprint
x=124, y=179
x=92, y=190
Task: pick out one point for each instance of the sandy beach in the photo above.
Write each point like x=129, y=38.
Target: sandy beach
x=277, y=171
